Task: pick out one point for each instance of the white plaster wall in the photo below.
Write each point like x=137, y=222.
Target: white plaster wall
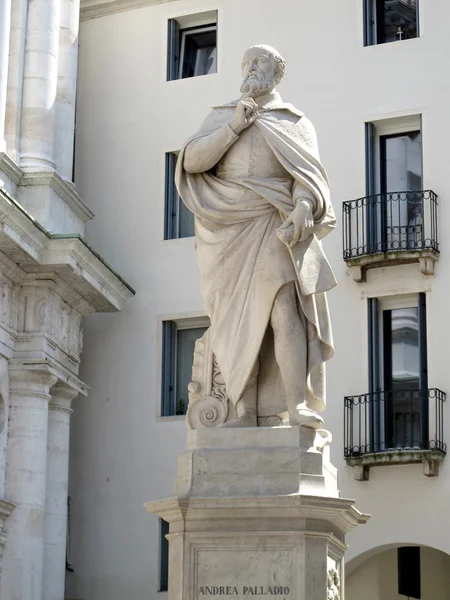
x=128, y=117
x=377, y=578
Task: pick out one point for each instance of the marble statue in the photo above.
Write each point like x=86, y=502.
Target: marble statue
x=252, y=176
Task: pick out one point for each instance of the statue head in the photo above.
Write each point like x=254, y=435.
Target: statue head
x=262, y=69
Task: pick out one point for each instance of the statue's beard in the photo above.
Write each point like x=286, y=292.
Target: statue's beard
x=257, y=86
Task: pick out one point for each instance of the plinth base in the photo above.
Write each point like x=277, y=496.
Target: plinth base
x=256, y=513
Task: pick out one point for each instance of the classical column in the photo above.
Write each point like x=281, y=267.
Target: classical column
x=17, y=39
x=39, y=86
x=56, y=502
x=5, y=25
x=67, y=86
x=26, y=481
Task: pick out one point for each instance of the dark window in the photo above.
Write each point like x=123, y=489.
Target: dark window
x=401, y=171
x=390, y=21
x=408, y=559
x=178, y=221
x=395, y=219
x=163, y=556
x=191, y=51
x=178, y=352
x=198, y=51
x=398, y=372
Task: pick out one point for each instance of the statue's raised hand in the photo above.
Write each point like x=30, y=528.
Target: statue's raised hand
x=299, y=225
x=246, y=114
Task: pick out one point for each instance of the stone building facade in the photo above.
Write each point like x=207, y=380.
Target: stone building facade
x=50, y=278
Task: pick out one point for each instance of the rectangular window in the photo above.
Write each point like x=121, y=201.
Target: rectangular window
x=178, y=220
x=394, y=183
x=390, y=21
x=401, y=171
x=163, y=556
x=179, y=339
x=192, y=46
x=398, y=371
x=408, y=562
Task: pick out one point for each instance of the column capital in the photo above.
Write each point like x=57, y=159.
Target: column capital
x=62, y=396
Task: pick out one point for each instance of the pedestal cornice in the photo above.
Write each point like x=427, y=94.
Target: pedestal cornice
x=338, y=512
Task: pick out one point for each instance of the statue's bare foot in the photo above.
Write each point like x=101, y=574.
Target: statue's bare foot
x=243, y=421
x=307, y=418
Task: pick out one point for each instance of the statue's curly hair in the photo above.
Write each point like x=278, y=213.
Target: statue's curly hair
x=280, y=63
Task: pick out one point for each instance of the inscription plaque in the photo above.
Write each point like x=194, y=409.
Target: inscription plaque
x=242, y=573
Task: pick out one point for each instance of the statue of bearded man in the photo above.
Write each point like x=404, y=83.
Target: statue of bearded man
x=254, y=181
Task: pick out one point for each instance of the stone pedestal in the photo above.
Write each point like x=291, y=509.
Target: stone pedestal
x=256, y=512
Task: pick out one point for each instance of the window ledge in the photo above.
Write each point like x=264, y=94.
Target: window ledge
x=359, y=265
x=431, y=459
x=171, y=419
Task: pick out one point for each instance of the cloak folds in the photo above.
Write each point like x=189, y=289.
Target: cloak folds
x=242, y=262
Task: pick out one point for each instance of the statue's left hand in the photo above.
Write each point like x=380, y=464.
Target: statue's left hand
x=299, y=225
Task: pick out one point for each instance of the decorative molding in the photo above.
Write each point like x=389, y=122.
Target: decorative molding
x=430, y=459
x=65, y=190
x=92, y=9
x=52, y=367
x=10, y=168
x=359, y=266
x=339, y=512
x=28, y=245
x=87, y=273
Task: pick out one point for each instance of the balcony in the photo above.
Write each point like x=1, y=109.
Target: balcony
x=394, y=427
x=391, y=229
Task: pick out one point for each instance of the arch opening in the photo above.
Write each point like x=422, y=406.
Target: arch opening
x=398, y=572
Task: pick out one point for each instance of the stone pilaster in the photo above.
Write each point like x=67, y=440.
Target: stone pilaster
x=26, y=480
x=59, y=412
x=66, y=89
x=15, y=77
x=39, y=86
x=5, y=24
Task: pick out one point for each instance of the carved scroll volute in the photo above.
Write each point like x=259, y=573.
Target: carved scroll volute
x=208, y=401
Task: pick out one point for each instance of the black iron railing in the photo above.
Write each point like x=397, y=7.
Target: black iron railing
x=391, y=222
x=394, y=420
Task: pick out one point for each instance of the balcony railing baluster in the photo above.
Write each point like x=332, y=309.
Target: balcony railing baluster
x=402, y=424
x=390, y=222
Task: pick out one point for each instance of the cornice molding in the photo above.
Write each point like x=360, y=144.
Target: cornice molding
x=50, y=367
x=93, y=9
x=10, y=168
x=34, y=250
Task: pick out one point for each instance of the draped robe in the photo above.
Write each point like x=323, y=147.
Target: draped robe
x=241, y=189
